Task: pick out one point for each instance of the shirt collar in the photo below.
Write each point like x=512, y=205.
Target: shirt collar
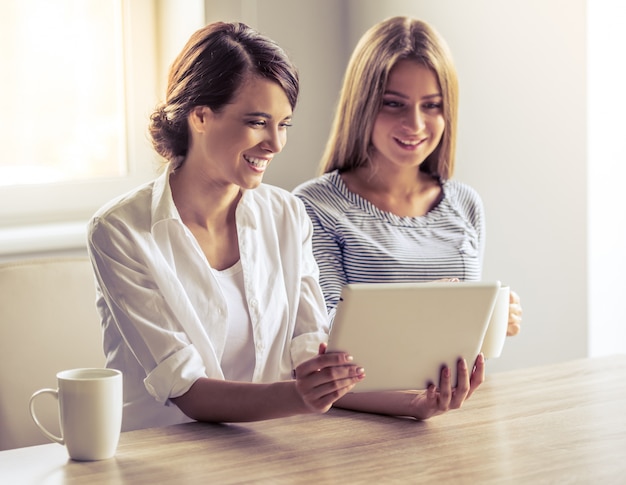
x=163, y=207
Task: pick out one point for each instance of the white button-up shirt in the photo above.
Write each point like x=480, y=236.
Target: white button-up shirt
x=163, y=314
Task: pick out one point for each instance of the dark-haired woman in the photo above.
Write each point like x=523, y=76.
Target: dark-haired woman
x=207, y=286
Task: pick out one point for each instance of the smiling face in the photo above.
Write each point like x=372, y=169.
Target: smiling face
x=410, y=123
x=235, y=145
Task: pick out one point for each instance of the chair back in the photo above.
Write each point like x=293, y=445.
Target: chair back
x=48, y=323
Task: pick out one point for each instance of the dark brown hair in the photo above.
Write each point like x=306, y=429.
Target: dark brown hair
x=208, y=72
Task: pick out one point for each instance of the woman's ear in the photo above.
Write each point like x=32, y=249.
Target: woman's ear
x=198, y=118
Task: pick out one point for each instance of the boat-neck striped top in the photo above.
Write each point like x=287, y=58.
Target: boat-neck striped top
x=355, y=242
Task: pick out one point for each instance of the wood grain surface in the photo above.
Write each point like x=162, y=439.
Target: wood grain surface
x=562, y=423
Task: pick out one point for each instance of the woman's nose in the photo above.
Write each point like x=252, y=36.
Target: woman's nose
x=414, y=119
x=275, y=140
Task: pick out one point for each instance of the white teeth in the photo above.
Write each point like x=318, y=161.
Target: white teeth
x=410, y=143
x=257, y=162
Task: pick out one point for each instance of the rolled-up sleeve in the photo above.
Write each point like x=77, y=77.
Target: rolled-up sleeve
x=175, y=375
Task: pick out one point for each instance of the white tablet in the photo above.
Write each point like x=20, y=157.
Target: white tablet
x=403, y=333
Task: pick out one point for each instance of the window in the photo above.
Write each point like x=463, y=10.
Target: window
x=79, y=82
x=67, y=92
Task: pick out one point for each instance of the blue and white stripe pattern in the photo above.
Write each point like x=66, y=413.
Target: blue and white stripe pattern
x=355, y=242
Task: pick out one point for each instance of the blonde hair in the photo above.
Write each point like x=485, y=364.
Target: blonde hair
x=378, y=50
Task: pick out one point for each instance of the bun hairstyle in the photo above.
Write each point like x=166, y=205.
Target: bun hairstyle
x=208, y=72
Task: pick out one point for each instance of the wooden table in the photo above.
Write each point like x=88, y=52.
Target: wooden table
x=563, y=423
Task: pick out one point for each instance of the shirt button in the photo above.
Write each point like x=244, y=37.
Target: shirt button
x=253, y=302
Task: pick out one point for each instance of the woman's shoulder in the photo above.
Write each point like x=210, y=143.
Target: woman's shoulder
x=464, y=200
x=123, y=218
x=323, y=183
x=326, y=190
x=137, y=200
x=461, y=192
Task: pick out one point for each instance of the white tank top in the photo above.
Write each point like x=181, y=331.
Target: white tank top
x=238, y=359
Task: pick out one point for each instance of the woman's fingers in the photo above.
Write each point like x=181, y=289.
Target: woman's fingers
x=515, y=315
x=445, y=389
x=467, y=382
x=478, y=375
x=324, y=361
x=326, y=378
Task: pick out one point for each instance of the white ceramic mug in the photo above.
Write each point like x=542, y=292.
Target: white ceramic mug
x=498, y=324
x=90, y=411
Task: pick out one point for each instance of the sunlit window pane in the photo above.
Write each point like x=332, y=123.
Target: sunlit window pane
x=62, y=84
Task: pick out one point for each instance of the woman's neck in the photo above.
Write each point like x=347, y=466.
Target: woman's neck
x=208, y=210
x=203, y=202
x=406, y=193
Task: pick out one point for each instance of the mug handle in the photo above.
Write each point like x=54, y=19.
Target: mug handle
x=31, y=406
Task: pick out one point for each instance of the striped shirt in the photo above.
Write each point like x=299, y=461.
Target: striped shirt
x=355, y=242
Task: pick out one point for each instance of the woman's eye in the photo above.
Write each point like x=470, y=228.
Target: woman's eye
x=392, y=104
x=259, y=123
x=286, y=124
x=433, y=106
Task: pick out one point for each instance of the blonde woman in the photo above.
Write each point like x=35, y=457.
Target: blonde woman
x=386, y=208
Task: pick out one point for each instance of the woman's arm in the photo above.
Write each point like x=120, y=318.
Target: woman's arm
x=319, y=382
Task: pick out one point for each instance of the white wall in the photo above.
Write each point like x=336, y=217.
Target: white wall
x=522, y=136
x=607, y=171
